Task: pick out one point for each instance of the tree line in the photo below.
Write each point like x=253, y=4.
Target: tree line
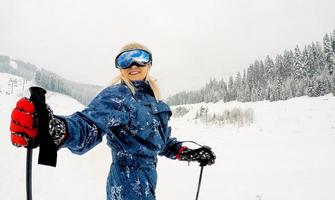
x=236, y=115
x=51, y=81
x=307, y=71
x=48, y=80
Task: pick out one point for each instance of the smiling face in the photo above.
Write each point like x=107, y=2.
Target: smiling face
x=135, y=73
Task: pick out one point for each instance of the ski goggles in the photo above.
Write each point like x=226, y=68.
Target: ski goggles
x=139, y=57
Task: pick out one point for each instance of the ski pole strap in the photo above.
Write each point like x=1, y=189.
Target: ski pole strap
x=199, y=183
x=48, y=149
x=189, y=141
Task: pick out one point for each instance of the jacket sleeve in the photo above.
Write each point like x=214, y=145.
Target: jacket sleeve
x=171, y=148
x=86, y=129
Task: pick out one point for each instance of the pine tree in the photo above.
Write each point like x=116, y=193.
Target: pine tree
x=285, y=91
x=307, y=60
x=318, y=56
x=238, y=86
x=262, y=78
x=277, y=90
x=333, y=41
x=224, y=89
x=243, y=87
x=269, y=68
x=329, y=53
x=249, y=83
x=316, y=59
x=231, y=89
x=288, y=62
x=298, y=65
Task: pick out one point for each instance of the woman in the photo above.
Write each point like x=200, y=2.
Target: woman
x=134, y=120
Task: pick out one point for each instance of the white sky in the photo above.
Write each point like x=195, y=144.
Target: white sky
x=191, y=40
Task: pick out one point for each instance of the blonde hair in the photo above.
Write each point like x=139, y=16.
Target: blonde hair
x=151, y=80
x=134, y=45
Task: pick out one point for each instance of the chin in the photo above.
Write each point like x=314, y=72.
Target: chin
x=136, y=79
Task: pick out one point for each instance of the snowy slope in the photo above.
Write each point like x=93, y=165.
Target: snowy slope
x=288, y=153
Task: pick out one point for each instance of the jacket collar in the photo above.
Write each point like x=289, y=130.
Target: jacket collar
x=143, y=86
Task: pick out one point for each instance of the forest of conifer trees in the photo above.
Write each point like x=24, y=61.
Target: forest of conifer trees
x=307, y=71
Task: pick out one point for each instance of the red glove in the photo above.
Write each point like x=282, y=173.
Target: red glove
x=23, y=126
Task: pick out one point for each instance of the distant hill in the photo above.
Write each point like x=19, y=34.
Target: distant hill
x=48, y=80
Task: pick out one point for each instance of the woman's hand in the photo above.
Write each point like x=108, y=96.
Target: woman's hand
x=204, y=155
x=23, y=126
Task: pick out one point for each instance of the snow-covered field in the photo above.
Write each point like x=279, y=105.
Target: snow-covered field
x=286, y=154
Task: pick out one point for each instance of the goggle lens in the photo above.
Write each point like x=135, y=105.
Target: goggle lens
x=127, y=58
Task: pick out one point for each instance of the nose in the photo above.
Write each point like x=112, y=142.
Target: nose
x=133, y=66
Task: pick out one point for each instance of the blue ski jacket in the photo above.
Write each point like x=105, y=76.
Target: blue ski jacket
x=136, y=128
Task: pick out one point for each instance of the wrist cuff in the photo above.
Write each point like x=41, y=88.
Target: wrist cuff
x=180, y=151
x=57, y=130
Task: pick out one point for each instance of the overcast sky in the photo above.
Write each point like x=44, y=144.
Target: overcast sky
x=191, y=40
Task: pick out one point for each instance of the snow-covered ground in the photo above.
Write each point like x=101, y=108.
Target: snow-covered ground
x=286, y=154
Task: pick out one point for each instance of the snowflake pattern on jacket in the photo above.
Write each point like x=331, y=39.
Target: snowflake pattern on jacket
x=136, y=127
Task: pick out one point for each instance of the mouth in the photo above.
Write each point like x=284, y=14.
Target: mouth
x=134, y=72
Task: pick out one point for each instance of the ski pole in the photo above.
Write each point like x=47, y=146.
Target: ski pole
x=199, y=183
x=37, y=96
x=28, y=172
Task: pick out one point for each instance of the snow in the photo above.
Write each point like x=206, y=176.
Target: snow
x=13, y=64
x=287, y=153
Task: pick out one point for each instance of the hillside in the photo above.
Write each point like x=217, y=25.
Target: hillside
x=48, y=80
x=286, y=153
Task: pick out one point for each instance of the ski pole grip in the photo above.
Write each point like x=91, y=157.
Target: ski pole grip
x=48, y=149
x=37, y=95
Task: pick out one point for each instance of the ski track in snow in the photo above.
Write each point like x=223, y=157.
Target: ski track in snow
x=286, y=154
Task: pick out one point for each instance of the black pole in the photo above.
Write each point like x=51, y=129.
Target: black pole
x=37, y=95
x=29, y=173
x=199, y=183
